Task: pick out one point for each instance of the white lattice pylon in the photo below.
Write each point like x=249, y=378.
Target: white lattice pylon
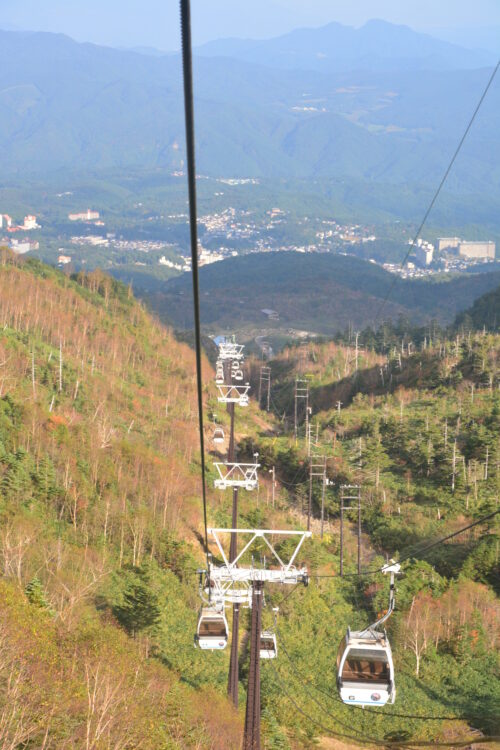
x=220, y=593
x=236, y=475
x=236, y=394
x=230, y=574
x=228, y=350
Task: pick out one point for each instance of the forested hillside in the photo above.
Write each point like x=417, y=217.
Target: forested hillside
x=97, y=440
x=484, y=313
x=419, y=431
x=100, y=521
x=323, y=293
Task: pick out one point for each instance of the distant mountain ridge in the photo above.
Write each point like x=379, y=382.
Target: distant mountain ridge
x=376, y=46
x=65, y=105
x=322, y=293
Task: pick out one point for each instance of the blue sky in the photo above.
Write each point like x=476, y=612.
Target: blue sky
x=155, y=22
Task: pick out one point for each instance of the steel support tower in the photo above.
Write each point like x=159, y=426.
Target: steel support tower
x=301, y=392
x=251, y=737
x=317, y=469
x=265, y=385
x=233, y=677
x=349, y=492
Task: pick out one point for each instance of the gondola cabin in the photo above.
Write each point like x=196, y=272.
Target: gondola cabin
x=365, y=670
x=212, y=632
x=218, y=435
x=268, y=645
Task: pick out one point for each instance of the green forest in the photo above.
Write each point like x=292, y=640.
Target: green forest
x=101, y=528
x=322, y=293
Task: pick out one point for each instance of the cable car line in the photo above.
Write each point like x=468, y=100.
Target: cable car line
x=416, y=552
x=382, y=743
x=450, y=536
x=208, y=637
x=439, y=188
x=367, y=709
x=187, y=67
x=363, y=739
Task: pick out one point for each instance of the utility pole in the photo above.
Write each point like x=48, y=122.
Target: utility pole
x=317, y=468
x=251, y=737
x=265, y=382
x=341, y=531
x=233, y=677
x=273, y=472
x=301, y=392
x=359, y=530
x=308, y=431
x=453, y=464
x=349, y=492
x=323, y=489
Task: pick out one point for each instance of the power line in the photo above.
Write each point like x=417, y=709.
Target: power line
x=367, y=709
x=420, y=553
x=187, y=66
x=438, y=191
x=450, y=536
x=380, y=743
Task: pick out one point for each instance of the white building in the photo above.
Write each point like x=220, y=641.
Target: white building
x=479, y=250
x=448, y=243
x=88, y=215
x=424, y=252
x=29, y=223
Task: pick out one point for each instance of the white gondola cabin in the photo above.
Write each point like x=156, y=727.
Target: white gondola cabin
x=365, y=669
x=237, y=374
x=212, y=632
x=218, y=436
x=268, y=645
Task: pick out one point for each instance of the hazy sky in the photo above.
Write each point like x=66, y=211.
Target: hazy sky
x=155, y=22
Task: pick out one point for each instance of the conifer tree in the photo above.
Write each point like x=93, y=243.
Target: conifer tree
x=35, y=593
x=139, y=608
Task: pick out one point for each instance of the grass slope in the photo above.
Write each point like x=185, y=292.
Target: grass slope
x=97, y=492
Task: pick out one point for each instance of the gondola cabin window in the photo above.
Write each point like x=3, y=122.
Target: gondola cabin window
x=366, y=665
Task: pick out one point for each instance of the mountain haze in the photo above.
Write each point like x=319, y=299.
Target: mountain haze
x=65, y=105
x=376, y=46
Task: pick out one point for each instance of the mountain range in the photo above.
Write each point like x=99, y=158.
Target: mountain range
x=65, y=105
x=376, y=46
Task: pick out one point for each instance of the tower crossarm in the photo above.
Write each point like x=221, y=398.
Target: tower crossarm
x=266, y=535
x=231, y=575
x=228, y=350
x=236, y=394
x=236, y=475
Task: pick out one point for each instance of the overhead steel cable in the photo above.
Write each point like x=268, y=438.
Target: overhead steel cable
x=420, y=552
x=363, y=740
x=438, y=191
x=367, y=709
x=187, y=67
x=416, y=552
